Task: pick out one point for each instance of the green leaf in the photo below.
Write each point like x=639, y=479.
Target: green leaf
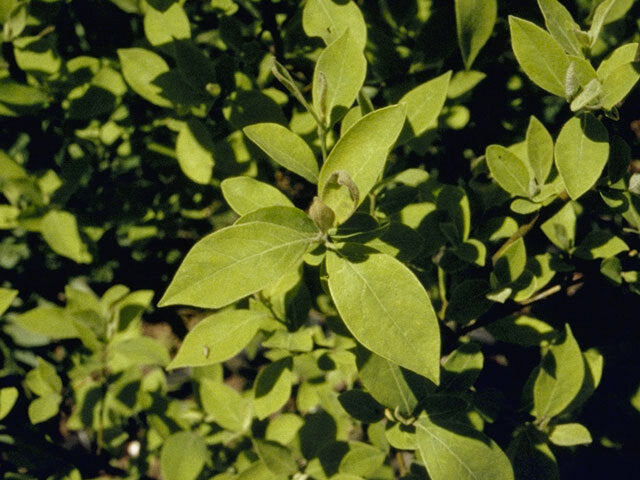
x=329, y=19
x=559, y=378
x=137, y=351
x=285, y=148
x=50, y=321
x=561, y=25
x=474, y=21
x=398, y=324
x=361, y=459
x=457, y=450
x=468, y=301
x=344, y=68
x=8, y=397
x=618, y=84
x=511, y=263
x=194, y=149
x=561, y=228
x=276, y=457
x=539, y=149
x=540, y=55
x=570, y=434
x=162, y=27
x=237, y=261
x=218, y=338
x=620, y=56
x=581, y=153
x=599, y=19
x=461, y=368
x=60, y=231
x=522, y=330
x=424, y=103
x=509, y=170
x=389, y=384
x=225, y=405
x=272, y=387
x=6, y=297
x=362, y=153
x=140, y=68
x=44, y=408
x=43, y=379
x=588, y=96
x=531, y=457
x=246, y=194
x=183, y=456
x=600, y=244
x=361, y=406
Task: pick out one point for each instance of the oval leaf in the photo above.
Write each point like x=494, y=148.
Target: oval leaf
x=140, y=68
x=194, y=151
x=397, y=323
x=508, y=170
x=329, y=19
x=474, y=22
x=183, y=456
x=246, y=195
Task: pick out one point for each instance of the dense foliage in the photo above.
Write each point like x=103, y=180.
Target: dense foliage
x=329, y=239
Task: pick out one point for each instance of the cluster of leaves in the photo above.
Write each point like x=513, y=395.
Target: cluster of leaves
x=383, y=294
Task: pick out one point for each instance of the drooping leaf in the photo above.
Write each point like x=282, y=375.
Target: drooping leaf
x=285, y=148
x=581, y=153
x=194, y=149
x=457, y=450
x=599, y=18
x=8, y=397
x=508, y=170
x=474, y=21
x=246, y=194
x=217, y=338
x=362, y=154
x=398, y=324
x=540, y=55
x=60, y=231
x=559, y=378
x=329, y=19
x=343, y=68
x=235, y=262
x=183, y=456
x=6, y=297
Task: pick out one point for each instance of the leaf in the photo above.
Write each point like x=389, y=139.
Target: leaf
x=8, y=397
x=539, y=149
x=183, y=456
x=531, y=457
x=361, y=406
x=561, y=26
x=218, y=338
x=588, y=96
x=60, y=231
x=362, y=154
x=285, y=148
x=236, y=261
x=361, y=459
x=511, y=263
x=6, y=297
x=276, y=457
x=48, y=320
x=140, y=67
x=457, y=450
x=329, y=19
x=540, y=55
x=581, y=153
x=618, y=84
x=561, y=228
x=137, y=352
x=194, y=149
x=559, y=378
x=570, y=434
x=344, y=68
x=599, y=18
x=398, y=324
x=44, y=408
x=272, y=388
x=474, y=21
x=620, y=56
x=225, y=405
x=600, y=244
x=461, y=368
x=424, y=103
x=508, y=170
x=468, y=301
x=246, y=194
x=162, y=27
